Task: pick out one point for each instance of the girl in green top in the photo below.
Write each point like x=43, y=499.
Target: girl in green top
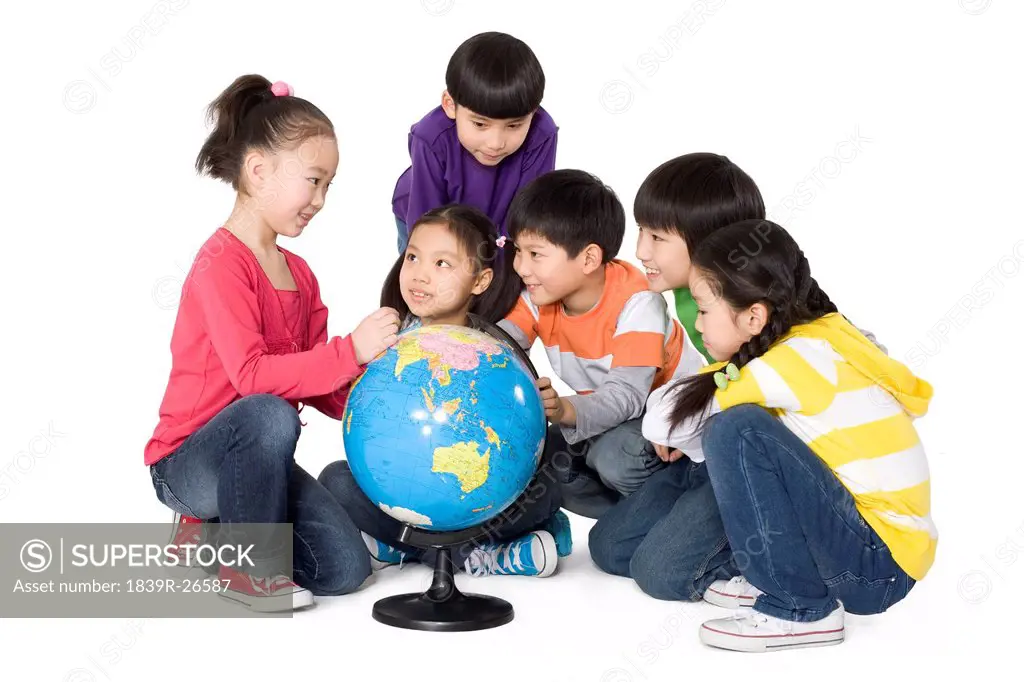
x=679, y=204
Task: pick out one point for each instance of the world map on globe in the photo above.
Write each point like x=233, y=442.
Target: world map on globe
x=444, y=430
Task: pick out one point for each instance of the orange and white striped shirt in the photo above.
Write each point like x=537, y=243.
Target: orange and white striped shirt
x=616, y=353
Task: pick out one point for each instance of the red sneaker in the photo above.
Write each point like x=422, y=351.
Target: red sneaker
x=187, y=530
x=266, y=595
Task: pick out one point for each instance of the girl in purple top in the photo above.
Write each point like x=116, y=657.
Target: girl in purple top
x=488, y=138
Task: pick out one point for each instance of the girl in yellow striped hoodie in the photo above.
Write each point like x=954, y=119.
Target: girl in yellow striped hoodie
x=807, y=429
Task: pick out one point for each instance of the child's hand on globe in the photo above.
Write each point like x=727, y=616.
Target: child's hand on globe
x=375, y=334
x=554, y=406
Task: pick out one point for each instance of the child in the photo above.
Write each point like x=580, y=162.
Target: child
x=679, y=204
x=669, y=537
x=456, y=270
x=488, y=138
x=814, y=453
x=606, y=335
x=250, y=342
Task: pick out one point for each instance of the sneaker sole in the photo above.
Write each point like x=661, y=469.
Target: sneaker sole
x=378, y=565
x=764, y=643
x=550, y=550
x=728, y=601
x=260, y=604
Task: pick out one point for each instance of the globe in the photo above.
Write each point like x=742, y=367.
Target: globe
x=444, y=430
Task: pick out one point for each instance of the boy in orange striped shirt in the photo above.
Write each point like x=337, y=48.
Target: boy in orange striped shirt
x=605, y=333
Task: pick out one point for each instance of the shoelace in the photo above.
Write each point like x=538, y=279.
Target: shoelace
x=739, y=583
x=268, y=585
x=741, y=587
x=750, y=617
x=496, y=561
x=385, y=549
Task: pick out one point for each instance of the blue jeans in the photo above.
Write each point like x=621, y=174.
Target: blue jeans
x=529, y=512
x=667, y=536
x=239, y=468
x=403, y=234
x=793, y=526
x=606, y=468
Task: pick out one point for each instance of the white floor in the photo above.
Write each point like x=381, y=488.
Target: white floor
x=579, y=624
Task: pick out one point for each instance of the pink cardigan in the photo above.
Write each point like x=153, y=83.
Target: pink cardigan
x=231, y=339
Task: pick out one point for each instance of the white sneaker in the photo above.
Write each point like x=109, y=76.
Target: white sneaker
x=752, y=631
x=732, y=594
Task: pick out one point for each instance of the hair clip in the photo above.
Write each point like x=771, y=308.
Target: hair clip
x=280, y=89
x=731, y=373
x=500, y=241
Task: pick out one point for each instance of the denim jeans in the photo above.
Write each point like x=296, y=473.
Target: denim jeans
x=403, y=234
x=667, y=536
x=606, y=468
x=793, y=526
x=529, y=512
x=239, y=468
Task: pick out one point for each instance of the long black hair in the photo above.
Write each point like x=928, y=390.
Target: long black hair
x=753, y=261
x=479, y=237
x=247, y=115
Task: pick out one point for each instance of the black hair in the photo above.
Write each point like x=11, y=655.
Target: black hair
x=753, y=261
x=570, y=209
x=694, y=194
x=495, y=75
x=478, y=236
x=247, y=115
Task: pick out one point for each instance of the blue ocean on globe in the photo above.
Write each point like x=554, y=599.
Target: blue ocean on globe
x=445, y=429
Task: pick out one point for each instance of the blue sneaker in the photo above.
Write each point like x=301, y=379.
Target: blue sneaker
x=534, y=554
x=383, y=555
x=558, y=526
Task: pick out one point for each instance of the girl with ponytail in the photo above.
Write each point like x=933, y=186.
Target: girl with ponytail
x=820, y=479
x=249, y=348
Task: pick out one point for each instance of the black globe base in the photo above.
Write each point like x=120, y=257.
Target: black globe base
x=442, y=608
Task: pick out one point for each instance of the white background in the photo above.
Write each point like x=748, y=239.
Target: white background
x=886, y=137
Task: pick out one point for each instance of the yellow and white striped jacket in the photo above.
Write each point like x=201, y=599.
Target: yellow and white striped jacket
x=854, y=407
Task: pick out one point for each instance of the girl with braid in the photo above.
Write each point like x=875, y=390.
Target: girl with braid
x=807, y=430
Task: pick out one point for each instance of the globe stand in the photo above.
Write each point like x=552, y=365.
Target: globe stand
x=442, y=608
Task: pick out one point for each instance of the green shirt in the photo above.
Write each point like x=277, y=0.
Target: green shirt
x=686, y=310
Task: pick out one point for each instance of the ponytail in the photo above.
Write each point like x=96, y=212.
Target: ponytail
x=494, y=304
x=249, y=115
x=391, y=292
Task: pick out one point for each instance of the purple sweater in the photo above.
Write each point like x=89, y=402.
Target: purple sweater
x=443, y=172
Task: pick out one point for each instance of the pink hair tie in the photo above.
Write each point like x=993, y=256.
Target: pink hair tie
x=280, y=89
x=500, y=241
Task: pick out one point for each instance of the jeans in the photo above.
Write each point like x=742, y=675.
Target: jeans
x=529, y=512
x=606, y=468
x=667, y=536
x=803, y=542
x=239, y=468
x=403, y=234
